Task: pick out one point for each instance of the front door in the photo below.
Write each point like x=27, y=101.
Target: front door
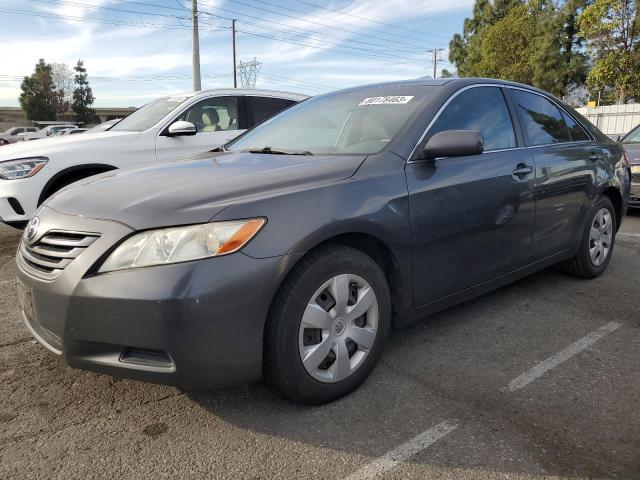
x=217, y=122
x=471, y=217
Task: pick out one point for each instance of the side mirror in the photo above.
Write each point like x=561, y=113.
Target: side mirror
x=180, y=128
x=454, y=143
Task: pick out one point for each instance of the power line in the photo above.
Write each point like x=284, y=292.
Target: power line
x=306, y=31
x=34, y=13
x=324, y=25
x=359, y=17
x=436, y=58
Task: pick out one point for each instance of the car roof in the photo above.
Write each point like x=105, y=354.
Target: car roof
x=438, y=82
x=243, y=92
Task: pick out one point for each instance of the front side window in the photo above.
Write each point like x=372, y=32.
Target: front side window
x=483, y=109
x=149, y=115
x=542, y=121
x=213, y=114
x=359, y=122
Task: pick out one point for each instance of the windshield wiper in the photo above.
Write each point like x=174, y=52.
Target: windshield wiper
x=271, y=151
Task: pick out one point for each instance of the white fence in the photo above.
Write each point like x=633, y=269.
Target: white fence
x=613, y=119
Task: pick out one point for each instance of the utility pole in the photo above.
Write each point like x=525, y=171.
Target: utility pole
x=197, y=86
x=235, y=76
x=435, y=52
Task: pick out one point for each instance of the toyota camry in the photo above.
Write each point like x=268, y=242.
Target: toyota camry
x=288, y=254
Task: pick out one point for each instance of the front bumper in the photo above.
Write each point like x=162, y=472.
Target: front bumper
x=194, y=324
x=22, y=191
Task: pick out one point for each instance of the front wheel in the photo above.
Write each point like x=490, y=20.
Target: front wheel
x=327, y=326
x=596, y=246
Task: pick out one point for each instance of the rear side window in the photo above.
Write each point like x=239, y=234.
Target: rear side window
x=576, y=132
x=261, y=108
x=542, y=120
x=483, y=109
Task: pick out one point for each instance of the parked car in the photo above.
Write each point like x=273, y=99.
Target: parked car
x=50, y=131
x=11, y=135
x=631, y=144
x=104, y=126
x=291, y=251
x=165, y=129
x=73, y=131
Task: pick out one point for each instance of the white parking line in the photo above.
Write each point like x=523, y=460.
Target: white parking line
x=629, y=234
x=560, y=357
x=390, y=459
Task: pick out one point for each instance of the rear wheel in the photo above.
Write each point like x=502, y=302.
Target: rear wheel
x=327, y=326
x=597, y=243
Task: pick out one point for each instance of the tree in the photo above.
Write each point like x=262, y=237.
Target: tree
x=444, y=73
x=611, y=28
x=534, y=42
x=82, y=95
x=63, y=82
x=39, y=99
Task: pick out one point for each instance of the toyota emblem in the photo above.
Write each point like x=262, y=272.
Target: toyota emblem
x=32, y=229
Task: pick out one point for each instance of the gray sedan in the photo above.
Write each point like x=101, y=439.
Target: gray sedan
x=290, y=253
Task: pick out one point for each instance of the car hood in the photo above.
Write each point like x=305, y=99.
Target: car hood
x=47, y=147
x=633, y=152
x=196, y=189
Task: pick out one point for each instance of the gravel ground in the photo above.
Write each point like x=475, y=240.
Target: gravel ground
x=575, y=342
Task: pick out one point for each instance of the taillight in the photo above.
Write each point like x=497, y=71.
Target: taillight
x=625, y=159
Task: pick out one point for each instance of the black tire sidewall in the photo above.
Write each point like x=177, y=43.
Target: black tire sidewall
x=297, y=378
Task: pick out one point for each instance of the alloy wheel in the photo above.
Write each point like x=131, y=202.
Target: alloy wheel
x=338, y=328
x=600, y=237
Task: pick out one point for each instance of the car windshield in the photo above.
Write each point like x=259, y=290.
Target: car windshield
x=633, y=136
x=147, y=116
x=358, y=122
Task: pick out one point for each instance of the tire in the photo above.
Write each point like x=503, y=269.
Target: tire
x=582, y=265
x=287, y=338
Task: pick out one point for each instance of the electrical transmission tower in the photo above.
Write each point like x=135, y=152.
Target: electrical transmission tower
x=435, y=59
x=248, y=73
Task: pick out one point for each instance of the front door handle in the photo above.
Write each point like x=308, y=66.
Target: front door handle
x=522, y=170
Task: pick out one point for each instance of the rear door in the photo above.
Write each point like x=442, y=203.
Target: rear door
x=471, y=217
x=566, y=161
x=217, y=121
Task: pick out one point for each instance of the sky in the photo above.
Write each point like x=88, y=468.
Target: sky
x=135, y=51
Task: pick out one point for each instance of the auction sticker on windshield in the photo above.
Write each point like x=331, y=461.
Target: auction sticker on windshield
x=391, y=100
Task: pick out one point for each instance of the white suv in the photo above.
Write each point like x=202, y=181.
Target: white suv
x=165, y=129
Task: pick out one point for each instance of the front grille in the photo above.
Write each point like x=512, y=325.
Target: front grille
x=635, y=178
x=54, y=251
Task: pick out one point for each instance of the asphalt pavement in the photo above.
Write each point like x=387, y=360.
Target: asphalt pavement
x=537, y=379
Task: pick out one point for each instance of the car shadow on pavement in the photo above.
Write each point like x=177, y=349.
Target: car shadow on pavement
x=454, y=366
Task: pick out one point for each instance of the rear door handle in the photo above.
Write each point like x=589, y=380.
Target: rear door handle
x=522, y=170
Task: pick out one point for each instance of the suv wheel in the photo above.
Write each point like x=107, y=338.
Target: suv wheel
x=597, y=243
x=327, y=326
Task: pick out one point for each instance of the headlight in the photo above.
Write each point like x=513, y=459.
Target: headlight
x=181, y=244
x=23, y=168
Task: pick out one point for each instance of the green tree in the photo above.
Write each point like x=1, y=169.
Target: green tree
x=534, y=42
x=444, y=73
x=82, y=95
x=39, y=98
x=611, y=28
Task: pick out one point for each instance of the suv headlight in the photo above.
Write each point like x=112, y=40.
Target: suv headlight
x=22, y=168
x=181, y=244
